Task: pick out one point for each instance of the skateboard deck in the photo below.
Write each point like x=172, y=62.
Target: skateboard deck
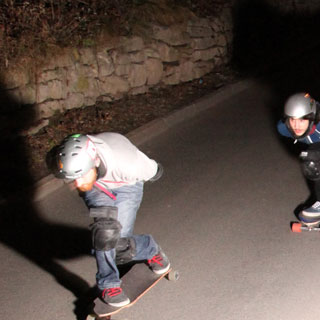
x=135, y=283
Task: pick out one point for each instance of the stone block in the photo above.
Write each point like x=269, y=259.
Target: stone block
x=185, y=53
x=199, y=28
x=221, y=40
x=200, y=32
x=216, y=25
x=73, y=100
x=51, y=90
x=171, y=75
x=205, y=55
x=48, y=108
x=154, y=69
x=167, y=53
x=81, y=84
x=218, y=61
x=28, y=94
x=105, y=64
x=71, y=79
x=202, y=43
x=202, y=67
x=60, y=59
x=15, y=78
x=120, y=58
x=152, y=52
x=223, y=51
x=112, y=85
x=186, y=71
x=138, y=90
x=131, y=44
x=89, y=101
x=89, y=71
x=87, y=56
x=123, y=70
x=47, y=75
x=137, y=57
x=93, y=88
x=137, y=76
x=174, y=35
x=52, y=74
x=198, y=22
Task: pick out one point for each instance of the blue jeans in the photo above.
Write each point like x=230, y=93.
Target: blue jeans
x=128, y=200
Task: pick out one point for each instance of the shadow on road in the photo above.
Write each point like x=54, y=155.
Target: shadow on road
x=21, y=227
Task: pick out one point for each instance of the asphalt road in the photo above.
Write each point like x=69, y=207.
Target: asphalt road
x=221, y=212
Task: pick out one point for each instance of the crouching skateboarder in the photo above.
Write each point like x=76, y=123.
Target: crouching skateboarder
x=301, y=123
x=110, y=173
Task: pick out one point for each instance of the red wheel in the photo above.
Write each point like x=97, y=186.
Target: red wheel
x=296, y=227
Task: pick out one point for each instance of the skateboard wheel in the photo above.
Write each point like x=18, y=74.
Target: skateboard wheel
x=296, y=227
x=173, y=275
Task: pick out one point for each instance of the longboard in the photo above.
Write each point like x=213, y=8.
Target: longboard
x=135, y=283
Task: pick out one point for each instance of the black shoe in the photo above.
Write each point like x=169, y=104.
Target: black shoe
x=159, y=263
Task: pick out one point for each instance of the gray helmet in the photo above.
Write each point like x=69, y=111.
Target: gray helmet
x=76, y=156
x=300, y=106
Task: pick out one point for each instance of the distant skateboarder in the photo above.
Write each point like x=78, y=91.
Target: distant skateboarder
x=301, y=123
x=110, y=173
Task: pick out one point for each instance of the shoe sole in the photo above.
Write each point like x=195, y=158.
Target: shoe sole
x=120, y=304
x=162, y=271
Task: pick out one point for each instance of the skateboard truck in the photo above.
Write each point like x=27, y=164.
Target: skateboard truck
x=303, y=226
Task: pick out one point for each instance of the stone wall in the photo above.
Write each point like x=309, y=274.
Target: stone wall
x=168, y=55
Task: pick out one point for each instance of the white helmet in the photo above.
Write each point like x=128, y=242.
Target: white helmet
x=300, y=105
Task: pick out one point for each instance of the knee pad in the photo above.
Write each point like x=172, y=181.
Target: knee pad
x=310, y=161
x=125, y=250
x=105, y=229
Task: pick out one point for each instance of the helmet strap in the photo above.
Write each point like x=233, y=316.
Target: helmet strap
x=97, y=161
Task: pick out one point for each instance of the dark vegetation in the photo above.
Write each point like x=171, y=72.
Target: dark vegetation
x=32, y=27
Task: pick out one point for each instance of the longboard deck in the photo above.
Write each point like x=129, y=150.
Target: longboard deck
x=136, y=283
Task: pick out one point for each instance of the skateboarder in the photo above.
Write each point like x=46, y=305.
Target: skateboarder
x=109, y=171
x=301, y=123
